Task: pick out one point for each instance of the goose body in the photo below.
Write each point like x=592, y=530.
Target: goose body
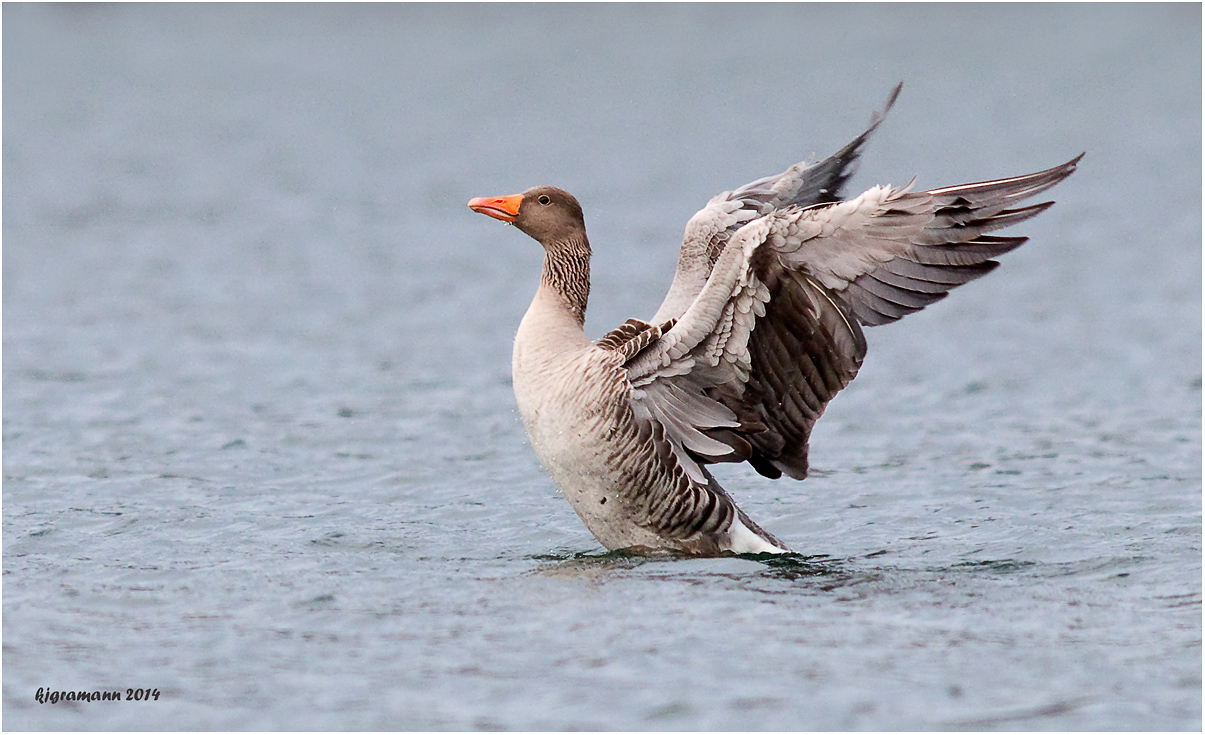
x=575, y=399
x=761, y=327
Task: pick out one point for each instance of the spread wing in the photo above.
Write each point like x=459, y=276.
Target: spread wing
x=776, y=330
x=805, y=184
x=891, y=252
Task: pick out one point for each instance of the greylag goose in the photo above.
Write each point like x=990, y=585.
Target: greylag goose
x=761, y=327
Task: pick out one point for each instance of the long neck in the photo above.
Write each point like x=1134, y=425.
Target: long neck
x=567, y=272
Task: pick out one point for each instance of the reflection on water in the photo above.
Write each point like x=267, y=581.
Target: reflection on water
x=819, y=571
x=778, y=566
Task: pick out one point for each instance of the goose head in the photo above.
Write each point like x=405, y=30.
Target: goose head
x=549, y=215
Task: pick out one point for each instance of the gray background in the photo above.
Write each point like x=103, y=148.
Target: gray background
x=260, y=451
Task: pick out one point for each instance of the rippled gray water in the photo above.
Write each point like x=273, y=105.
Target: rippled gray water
x=260, y=451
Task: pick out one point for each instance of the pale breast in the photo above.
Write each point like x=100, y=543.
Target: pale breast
x=577, y=416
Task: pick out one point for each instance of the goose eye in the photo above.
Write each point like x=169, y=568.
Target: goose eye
x=543, y=199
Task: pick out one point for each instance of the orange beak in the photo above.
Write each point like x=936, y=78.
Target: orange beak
x=503, y=208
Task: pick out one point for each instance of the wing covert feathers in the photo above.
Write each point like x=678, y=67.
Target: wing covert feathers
x=805, y=184
x=775, y=329
x=629, y=338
